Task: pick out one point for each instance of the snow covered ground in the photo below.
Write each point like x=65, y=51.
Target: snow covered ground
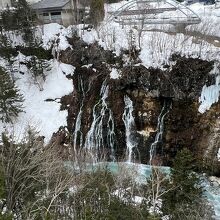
x=43, y=115
x=210, y=17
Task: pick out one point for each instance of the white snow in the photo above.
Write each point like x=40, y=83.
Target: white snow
x=114, y=74
x=44, y=116
x=156, y=47
x=210, y=16
x=89, y=36
x=88, y=66
x=210, y=94
x=66, y=68
x=54, y=35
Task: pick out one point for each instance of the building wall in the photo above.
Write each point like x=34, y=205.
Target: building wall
x=47, y=17
x=66, y=18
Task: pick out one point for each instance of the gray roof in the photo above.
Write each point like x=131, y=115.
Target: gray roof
x=50, y=4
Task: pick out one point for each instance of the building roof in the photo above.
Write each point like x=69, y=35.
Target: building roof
x=49, y=4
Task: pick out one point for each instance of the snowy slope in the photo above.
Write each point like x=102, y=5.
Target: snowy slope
x=210, y=17
x=43, y=115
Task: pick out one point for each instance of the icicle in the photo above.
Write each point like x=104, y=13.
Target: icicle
x=129, y=126
x=160, y=130
x=94, y=138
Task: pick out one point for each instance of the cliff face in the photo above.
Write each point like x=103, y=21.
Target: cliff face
x=151, y=112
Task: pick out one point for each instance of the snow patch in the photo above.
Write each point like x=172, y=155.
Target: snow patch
x=90, y=36
x=54, y=35
x=67, y=69
x=210, y=94
x=115, y=74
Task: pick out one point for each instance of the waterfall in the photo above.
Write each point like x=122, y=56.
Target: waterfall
x=111, y=135
x=129, y=126
x=95, y=136
x=77, y=131
x=160, y=129
x=77, y=128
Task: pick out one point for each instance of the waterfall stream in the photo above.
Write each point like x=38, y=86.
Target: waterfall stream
x=77, y=131
x=95, y=136
x=160, y=129
x=129, y=126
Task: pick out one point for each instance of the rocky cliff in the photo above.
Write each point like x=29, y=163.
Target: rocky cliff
x=145, y=112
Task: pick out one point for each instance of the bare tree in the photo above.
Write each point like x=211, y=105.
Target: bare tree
x=156, y=189
x=35, y=176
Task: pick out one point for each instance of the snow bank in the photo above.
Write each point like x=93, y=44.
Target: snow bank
x=89, y=37
x=43, y=115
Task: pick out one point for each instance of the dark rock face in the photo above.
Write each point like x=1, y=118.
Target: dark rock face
x=149, y=89
x=184, y=80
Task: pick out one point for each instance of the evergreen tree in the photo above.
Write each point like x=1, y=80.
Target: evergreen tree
x=97, y=11
x=9, y=53
x=20, y=19
x=8, y=19
x=6, y=50
x=10, y=99
x=25, y=18
x=184, y=187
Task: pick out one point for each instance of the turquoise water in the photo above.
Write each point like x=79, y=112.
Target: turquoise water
x=142, y=172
